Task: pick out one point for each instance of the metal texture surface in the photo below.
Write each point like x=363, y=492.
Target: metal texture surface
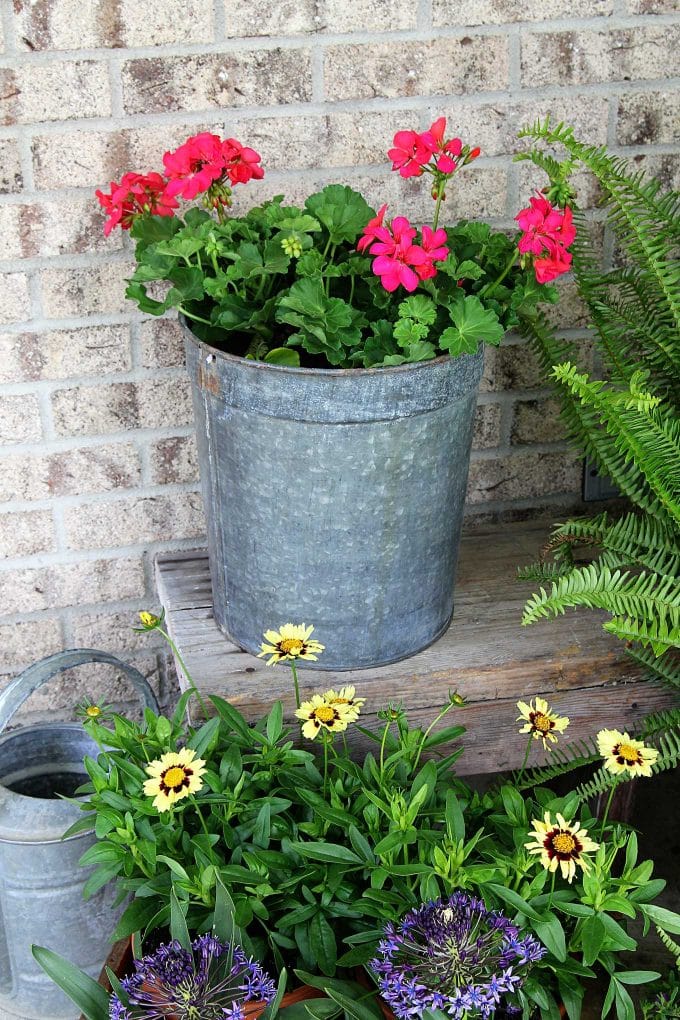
x=334, y=498
x=41, y=883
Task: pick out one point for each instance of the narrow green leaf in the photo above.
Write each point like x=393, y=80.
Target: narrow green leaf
x=89, y=996
x=178, y=924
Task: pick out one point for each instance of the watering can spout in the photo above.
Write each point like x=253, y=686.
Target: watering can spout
x=41, y=881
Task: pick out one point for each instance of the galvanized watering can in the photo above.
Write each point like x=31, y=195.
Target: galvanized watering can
x=40, y=881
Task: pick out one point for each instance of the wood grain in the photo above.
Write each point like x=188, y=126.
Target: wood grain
x=485, y=655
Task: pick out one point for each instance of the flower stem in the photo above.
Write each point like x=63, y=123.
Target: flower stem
x=488, y=288
x=440, y=195
x=325, y=765
x=438, y=718
x=552, y=890
x=182, y=664
x=200, y=815
x=190, y=315
x=526, y=759
x=382, y=747
x=295, y=681
x=606, y=810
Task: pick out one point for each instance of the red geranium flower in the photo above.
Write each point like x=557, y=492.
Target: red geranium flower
x=550, y=266
x=370, y=231
x=194, y=166
x=446, y=153
x=410, y=153
x=240, y=162
x=136, y=194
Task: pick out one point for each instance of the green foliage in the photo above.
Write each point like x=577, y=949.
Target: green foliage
x=313, y=866
x=281, y=278
x=628, y=425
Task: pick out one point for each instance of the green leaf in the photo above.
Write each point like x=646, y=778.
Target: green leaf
x=468, y=270
x=637, y=977
x=223, y=916
x=364, y=1009
x=178, y=924
x=283, y=356
x=396, y=839
x=275, y=722
x=420, y=308
x=551, y=934
x=625, y=1008
x=89, y=996
x=333, y=853
x=668, y=920
x=472, y=323
x=322, y=943
x=175, y=867
x=593, y=934
x=205, y=739
x=407, y=332
x=515, y=900
x=361, y=844
x=273, y=1007
x=342, y=211
x=455, y=820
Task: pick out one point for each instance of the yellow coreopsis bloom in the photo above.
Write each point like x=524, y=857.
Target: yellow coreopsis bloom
x=292, y=641
x=346, y=697
x=173, y=776
x=561, y=844
x=541, y=722
x=623, y=754
x=319, y=715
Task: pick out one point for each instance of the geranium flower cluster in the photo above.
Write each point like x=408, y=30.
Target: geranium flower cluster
x=205, y=163
x=399, y=261
x=415, y=153
x=453, y=955
x=547, y=233
x=212, y=981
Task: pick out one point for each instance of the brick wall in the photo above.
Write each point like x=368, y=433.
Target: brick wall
x=97, y=461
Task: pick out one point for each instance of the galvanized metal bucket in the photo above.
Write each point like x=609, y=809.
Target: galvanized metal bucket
x=41, y=883
x=334, y=497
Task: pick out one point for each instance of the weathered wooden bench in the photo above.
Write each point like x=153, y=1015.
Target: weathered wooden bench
x=485, y=655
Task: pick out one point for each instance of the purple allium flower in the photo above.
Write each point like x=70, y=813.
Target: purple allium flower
x=212, y=981
x=453, y=955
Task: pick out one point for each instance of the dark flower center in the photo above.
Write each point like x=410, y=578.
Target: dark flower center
x=175, y=778
x=562, y=844
x=627, y=755
x=541, y=722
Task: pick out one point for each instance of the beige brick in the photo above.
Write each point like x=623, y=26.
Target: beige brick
x=286, y=17
x=587, y=115
x=524, y=476
x=511, y=367
x=98, y=289
x=462, y=13
x=625, y=54
x=487, y=426
x=161, y=343
x=16, y=304
x=64, y=90
x=19, y=419
x=112, y=631
x=67, y=25
x=174, y=460
x=570, y=312
x=95, y=409
x=250, y=78
x=69, y=226
x=366, y=15
x=537, y=421
x=29, y=590
x=164, y=402
x=135, y=521
x=438, y=67
x=648, y=117
x=652, y=6
x=11, y=177
x=24, y=643
x=93, y=469
x=58, y=354
x=25, y=533
x=10, y=231
x=476, y=193
x=666, y=168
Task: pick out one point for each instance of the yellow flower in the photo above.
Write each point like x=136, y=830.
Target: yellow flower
x=541, y=722
x=345, y=697
x=173, y=776
x=623, y=754
x=561, y=844
x=320, y=715
x=290, y=642
x=149, y=620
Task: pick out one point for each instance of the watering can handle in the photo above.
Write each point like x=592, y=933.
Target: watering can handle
x=23, y=685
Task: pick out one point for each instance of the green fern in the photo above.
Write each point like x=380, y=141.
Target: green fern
x=574, y=755
x=668, y=746
x=628, y=424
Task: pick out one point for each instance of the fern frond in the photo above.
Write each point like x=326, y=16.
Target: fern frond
x=660, y=722
x=663, y=667
x=641, y=434
x=660, y=634
x=562, y=760
x=672, y=947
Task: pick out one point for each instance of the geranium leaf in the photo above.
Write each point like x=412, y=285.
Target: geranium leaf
x=342, y=211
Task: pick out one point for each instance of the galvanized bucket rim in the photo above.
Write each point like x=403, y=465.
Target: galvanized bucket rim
x=17, y=732
x=336, y=373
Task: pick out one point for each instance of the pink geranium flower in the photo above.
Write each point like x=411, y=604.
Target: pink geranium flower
x=136, y=194
x=410, y=153
x=543, y=225
x=370, y=230
x=550, y=266
x=241, y=162
x=445, y=152
x=397, y=256
x=194, y=166
x=433, y=244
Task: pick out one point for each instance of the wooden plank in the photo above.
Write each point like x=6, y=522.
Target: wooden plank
x=485, y=655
